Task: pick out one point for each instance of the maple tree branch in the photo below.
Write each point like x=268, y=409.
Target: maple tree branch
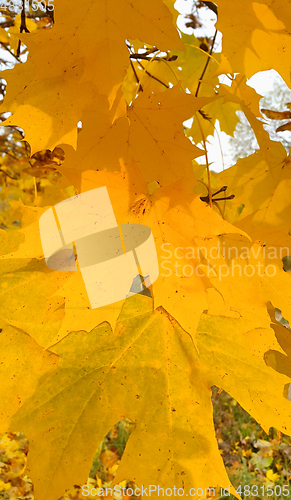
x=231, y=197
x=140, y=56
x=50, y=13
x=136, y=75
x=221, y=190
x=9, y=154
x=35, y=188
x=217, y=206
x=224, y=188
x=152, y=76
x=8, y=23
x=146, y=53
x=206, y=64
x=151, y=51
x=148, y=58
x=220, y=147
x=23, y=26
x=207, y=163
x=145, y=56
x=204, y=115
x=170, y=67
x=8, y=175
x=10, y=52
x=206, y=199
x=212, y=6
x=201, y=50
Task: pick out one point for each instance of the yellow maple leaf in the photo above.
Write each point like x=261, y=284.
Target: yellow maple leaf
x=152, y=338
x=57, y=83
x=255, y=37
x=177, y=217
x=19, y=378
x=164, y=154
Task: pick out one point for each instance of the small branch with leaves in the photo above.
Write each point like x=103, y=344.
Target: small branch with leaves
x=148, y=55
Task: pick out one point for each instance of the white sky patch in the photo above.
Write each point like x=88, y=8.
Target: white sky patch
x=263, y=82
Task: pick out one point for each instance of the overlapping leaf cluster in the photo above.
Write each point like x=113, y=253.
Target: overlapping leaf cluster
x=69, y=373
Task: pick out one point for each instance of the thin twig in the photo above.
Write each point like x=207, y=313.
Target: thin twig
x=35, y=188
x=9, y=154
x=231, y=197
x=10, y=52
x=147, y=57
x=23, y=26
x=203, y=52
x=206, y=64
x=141, y=56
x=8, y=175
x=207, y=163
x=210, y=6
x=136, y=75
x=50, y=13
x=154, y=77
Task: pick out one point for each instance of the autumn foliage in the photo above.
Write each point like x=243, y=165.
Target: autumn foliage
x=102, y=99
